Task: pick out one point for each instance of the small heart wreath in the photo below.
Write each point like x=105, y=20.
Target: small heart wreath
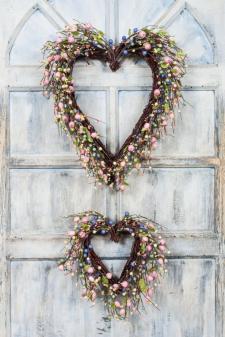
x=122, y=295
x=167, y=63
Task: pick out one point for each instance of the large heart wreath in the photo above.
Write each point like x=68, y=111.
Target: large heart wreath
x=122, y=295
x=167, y=63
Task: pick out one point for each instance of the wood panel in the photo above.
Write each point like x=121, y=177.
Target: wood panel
x=46, y=303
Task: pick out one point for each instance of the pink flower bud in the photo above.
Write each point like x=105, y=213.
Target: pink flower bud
x=94, y=135
x=61, y=267
x=58, y=74
x=146, y=126
x=91, y=278
x=71, y=233
x=90, y=270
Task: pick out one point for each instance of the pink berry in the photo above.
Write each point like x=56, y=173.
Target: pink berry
x=150, y=292
x=58, y=74
x=109, y=276
x=124, y=284
x=171, y=115
x=65, y=118
x=71, y=39
x=122, y=312
x=90, y=270
x=61, y=267
x=154, y=274
x=131, y=148
x=162, y=248
x=78, y=116
x=150, y=278
x=146, y=126
x=115, y=286
x=57, y=57
x=117, y=304
x=147, y=46
x=129, y=302
x=82, y=234
x=156, y=92
x=142, y=34
x=162, y=242
x=145, y=239
x=153, y=140
x=149, y=248
x=160, y=261
x=168, y=60
x=94, y=135
x=91, y=278
x=71, y=125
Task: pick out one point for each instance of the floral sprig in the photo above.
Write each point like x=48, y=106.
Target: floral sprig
x=141, y=274
x=167, y=63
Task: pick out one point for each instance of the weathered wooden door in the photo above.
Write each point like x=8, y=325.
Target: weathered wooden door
x=42, y=181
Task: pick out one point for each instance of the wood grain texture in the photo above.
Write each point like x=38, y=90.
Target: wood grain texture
x=46, y=303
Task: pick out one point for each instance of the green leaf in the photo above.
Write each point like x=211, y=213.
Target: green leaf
x=142, y=285
x=86, y=267
x=105, y=281
x=129, y=32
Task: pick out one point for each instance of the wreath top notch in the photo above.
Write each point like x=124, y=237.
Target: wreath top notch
x=83, y=41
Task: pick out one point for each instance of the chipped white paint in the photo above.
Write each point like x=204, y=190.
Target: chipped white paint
x=42, y=181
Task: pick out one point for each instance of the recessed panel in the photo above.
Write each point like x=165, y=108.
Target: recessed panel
x=26, y=49
x=133, y=13
x=194, y=131
x=87, y=11
x=45, y=302
x=41, y=199
x=181, y=199
x=32, y=127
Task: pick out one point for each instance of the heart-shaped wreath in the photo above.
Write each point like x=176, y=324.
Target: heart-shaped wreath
x=167, y=63
x=145, y=265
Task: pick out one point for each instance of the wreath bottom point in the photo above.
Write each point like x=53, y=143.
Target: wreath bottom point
x=123, y=295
